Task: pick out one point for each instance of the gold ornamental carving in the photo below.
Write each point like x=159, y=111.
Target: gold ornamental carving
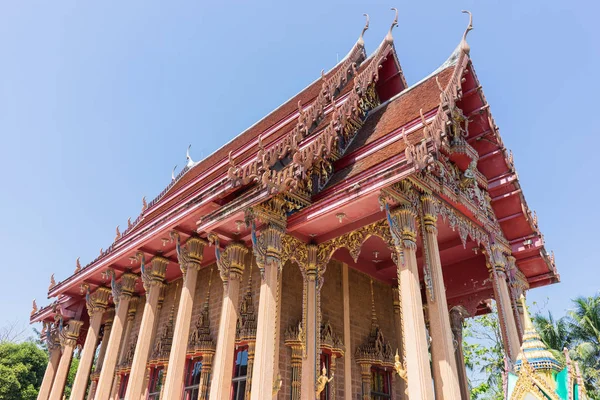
x=97, y=301
x=230, y=261
x=191, y=254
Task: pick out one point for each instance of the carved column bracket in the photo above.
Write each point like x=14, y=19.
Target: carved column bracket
x=191, y=254
x=98, y=301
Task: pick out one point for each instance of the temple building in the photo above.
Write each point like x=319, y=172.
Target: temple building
x=538, y=375
x=330, y=251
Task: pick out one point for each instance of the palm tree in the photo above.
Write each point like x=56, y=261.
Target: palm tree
x=585, y=331
x=554, y=333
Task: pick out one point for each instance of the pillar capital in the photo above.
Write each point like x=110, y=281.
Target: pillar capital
x=267, y=246
x=191, y=254
x=133, y=304
x=430, y=212
x=403, y=226
x=495, y=259
x=109, y=316
x=98, y=301
x=231, y=261
x=70, y=333
x=154, y=275
x=124, y=288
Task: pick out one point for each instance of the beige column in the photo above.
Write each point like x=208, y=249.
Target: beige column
x=442, y=349
x=161, y=300
x=347, y=343
x=96, y=305
x=267, y=250
x=153, y=280
x=309, y=316
x=110, y=317
x=496, y=263
x=398, y=328
x=190, y=257
x=133, y=303
x=121, y=293
x=231, y=263
x=457, y=317
x=518, y=286
x=54, y=349
x=68, y=339
x=416, y=355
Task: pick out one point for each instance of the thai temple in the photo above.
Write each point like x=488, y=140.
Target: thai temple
x=331, y=251
x=538, y=375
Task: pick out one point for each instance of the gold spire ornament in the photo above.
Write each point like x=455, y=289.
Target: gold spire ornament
x=34, y=307
x=464, y=46
x=77, y=265
x=118, y=234
x=323, y=380
x=52, y=282
x=144, y=204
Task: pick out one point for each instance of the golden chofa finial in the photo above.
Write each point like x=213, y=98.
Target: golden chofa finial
x=389, y=36
x=173, y=173
x=117, y=234
x=34, y=307
x=361, y=40
x=144, y=204
x=77, y=265
x=464, y=46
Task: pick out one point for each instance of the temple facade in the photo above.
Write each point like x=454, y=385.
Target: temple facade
x=330, y=251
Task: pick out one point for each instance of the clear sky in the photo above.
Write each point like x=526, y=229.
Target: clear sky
x=99, y=100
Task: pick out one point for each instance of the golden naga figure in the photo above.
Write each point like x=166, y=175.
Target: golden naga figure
x=322, y=381
x=399, y=367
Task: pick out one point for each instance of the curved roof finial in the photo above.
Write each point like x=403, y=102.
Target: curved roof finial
x=187, y=156
x=464, y=46
x=389, y=36
x=361, y=40
x=173, y=173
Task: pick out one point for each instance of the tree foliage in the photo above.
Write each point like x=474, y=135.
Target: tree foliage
x=578, y=331
x=484, y=357
x=22, y=367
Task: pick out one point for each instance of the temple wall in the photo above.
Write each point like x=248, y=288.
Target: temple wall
x=291, y=314
x=216, y=298
x=135, y=327
x=172, y=295
x=360, y=321
x=332, y=311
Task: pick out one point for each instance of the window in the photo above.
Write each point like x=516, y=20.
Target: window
x=240, y=374
x=123, y=387
x=380, y=384
x=325, y=362
x=156, y=382
x=192, y=379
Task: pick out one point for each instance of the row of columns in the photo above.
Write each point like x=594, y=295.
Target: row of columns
x=267, y=251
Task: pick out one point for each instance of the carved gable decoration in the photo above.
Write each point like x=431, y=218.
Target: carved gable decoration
x=330, y=341
x=162, y=348
x=200, y=338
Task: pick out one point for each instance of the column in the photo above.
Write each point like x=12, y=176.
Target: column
x=96, y=305
x=457, y=317
x=251, y=347
x=133, y=303
x=161, y=300
x=110, y=316
x=398, y=328
x=402, y=223
x=121, y=293
x=309, y=323
x=518, y=286
x=496, y=263
x=442, y=349
x=296, y=362
x=190, y=258
x=54, y=349
x=347, y=343
x=68, y=339
x=153, y=280
x=231, y=263
x=267, y=250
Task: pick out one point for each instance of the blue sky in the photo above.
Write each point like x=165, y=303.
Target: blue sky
x=99, y=100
